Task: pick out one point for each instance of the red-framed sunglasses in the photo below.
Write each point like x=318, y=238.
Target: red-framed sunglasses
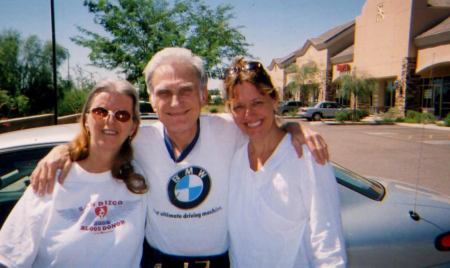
x=101, y=113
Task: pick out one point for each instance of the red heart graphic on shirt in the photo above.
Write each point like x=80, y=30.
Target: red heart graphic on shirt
x=101, y=211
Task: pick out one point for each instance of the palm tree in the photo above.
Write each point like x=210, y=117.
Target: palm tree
x=357, y=86
x=301, y=79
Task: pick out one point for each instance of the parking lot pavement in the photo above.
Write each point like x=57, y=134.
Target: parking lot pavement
x=411, y=154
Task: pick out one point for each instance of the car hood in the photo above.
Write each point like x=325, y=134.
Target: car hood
x=62, y=133
x=401, y=193
x=39, y=135
x=380, y=232
x=392, y=215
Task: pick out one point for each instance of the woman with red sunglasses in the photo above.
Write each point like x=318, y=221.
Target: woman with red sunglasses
x=283, y=210
x=97, y=218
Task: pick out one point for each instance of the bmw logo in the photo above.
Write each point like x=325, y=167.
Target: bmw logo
x=189, y=187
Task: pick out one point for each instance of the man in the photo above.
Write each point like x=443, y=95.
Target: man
x=186, y=158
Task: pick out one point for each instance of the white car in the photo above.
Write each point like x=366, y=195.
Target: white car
x=323, y=109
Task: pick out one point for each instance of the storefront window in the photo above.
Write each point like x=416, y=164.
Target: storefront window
x=435, y=94
x=389, y=95
x=444, y=98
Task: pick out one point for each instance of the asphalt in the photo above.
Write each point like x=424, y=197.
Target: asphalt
x=414, y=153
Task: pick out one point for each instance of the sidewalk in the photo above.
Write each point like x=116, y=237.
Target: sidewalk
x=427, y=126
x=374, y=120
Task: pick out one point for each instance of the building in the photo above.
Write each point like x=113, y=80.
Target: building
x=316, y=51
x=403, y=44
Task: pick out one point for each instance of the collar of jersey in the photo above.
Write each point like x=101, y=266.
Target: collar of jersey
x=188, y=148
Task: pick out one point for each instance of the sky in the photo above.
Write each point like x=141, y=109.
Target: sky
x=274, y=28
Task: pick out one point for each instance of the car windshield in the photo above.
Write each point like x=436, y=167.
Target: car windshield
x=369, y=188
x=17, y=165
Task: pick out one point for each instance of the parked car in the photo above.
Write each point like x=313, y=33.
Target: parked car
x=146, y=110
x=145, y=107
x=386, y=223
x=323, y=109
x=289, y=106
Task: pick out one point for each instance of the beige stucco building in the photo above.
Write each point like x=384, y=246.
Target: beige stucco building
x=317, y=51
x=403, y=44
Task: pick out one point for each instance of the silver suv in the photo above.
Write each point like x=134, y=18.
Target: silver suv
x=289, y=106
x=323, y=109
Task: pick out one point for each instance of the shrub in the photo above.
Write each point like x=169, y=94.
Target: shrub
x=362, y=113
x=353, y=115
x=417, y=117
x=447, y=120
x=292, y=113
x=357, y=115
x=213, y=110
x=428, y=118
x=217, y=101
x=389, y=120
x=21, y=103
x=72, y=102
x=343, y=116
x=412, y=117
x=13, y=106
x=393, y=113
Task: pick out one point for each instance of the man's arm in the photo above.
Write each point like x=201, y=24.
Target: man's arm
x=55, y=165
x=300, y=135
x=315, y=142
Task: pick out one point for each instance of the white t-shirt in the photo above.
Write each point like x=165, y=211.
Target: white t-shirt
x=92, y=220
x=285, y=215
x=187, y=208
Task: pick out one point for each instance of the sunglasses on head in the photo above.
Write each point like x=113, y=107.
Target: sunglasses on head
x=250, y=66
x=101, y=113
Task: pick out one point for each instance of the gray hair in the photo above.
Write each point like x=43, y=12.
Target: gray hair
x=175, y=54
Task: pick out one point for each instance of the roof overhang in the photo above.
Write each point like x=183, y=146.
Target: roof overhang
x=333, y=37
x=439, y=3
x=344, y=56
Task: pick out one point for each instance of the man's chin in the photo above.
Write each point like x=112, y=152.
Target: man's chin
x=179, y=123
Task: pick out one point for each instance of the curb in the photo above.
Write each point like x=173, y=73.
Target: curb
x=427, y=126
x=375, y=123
x=379, y=123
x=363, y=123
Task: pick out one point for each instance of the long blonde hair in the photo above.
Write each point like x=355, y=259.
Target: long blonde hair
x=122, y=168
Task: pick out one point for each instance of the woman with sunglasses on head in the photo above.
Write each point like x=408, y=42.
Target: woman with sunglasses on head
x=283, y=210
x=97, y=218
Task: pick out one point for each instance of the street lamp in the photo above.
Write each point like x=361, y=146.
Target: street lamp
x=68, y=64
x=55, y=86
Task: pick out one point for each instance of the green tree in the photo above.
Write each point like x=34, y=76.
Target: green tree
x=137, y=29
x=37, y=74
x=26, y=73
x=10, y=78
x=5, y=103
x=82, y=81
x=358, y=86
x=72, y=102
x=11, y=106
x=302, y=78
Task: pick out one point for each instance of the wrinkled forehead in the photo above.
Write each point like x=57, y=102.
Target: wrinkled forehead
x=178, y=72
x=112, y=100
